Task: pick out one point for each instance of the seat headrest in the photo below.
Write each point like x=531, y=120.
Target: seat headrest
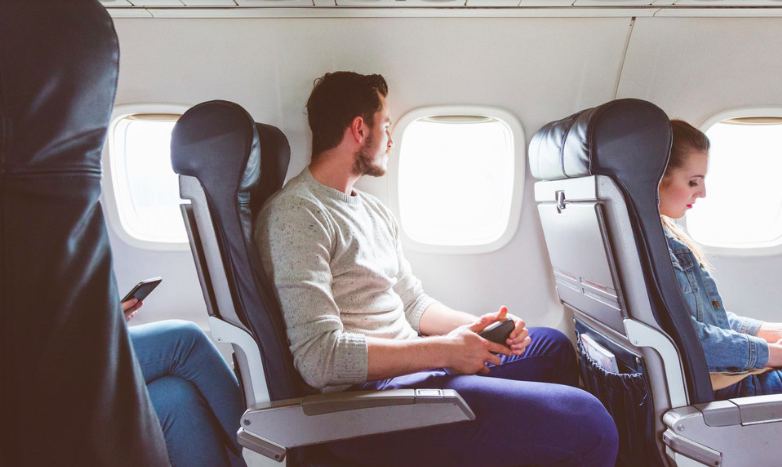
x=59, y=111
x=625, y=138
x=65, y=346
x=219, y=143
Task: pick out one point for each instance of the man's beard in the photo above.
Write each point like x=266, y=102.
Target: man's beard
x=364, y=161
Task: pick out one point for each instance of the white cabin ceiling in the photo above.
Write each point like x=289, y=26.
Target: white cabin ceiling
x=441, y=4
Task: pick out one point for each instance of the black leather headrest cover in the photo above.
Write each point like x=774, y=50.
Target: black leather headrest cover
x=620, y=136
x=66, y=356
x=239, y=164
x=629, y=140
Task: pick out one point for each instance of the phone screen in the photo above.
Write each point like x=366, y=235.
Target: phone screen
x=143, y=289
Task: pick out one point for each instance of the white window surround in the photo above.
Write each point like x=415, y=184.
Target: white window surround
x=111, y=177
x=748, y=250
x=519, y=169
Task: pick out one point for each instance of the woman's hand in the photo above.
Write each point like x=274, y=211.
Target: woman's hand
x=771, y=332
x=130, y=307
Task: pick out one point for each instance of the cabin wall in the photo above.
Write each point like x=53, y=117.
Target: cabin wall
x=538, y=69
x=695, y=68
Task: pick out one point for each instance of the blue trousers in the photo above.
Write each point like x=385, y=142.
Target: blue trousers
x=528, y=411
x=769, y=382
x=195, y=394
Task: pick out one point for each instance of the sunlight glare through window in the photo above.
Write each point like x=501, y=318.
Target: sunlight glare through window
x=147, y=187
x=743, y=206
x=456, y=180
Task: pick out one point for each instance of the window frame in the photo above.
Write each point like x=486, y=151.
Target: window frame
x=751, y=250
x=111, y=177
x=519, y=175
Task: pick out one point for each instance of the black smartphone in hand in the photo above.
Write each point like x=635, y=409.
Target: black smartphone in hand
x=499, y=331
x=142, y=289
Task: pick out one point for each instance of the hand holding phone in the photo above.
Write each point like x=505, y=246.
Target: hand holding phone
x=499, y=331
x=142, y=289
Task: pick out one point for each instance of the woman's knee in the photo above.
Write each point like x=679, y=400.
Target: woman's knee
x=168, y=330
x=186, y=330
x=173, y=391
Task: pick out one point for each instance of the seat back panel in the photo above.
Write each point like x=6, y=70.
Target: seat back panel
x=626, y=142
x=228, y=165
x=581, y=259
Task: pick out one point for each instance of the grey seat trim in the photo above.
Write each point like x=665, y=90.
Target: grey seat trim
x=274, y=427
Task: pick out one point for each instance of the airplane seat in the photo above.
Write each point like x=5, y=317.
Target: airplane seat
x=67, y=361
x=228, y=165
x=597, y=196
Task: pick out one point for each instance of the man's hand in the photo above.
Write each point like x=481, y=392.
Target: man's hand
x=130, y=307
x=518, y=340
x=467, y=353
x=454, y=344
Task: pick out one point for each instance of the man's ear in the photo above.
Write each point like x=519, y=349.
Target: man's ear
x=358, y=129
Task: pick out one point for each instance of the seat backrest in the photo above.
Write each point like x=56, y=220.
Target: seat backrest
x=613, y=263
x=66, y=355
x=228, y=166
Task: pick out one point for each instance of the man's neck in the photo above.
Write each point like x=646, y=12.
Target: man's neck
x=335, y=171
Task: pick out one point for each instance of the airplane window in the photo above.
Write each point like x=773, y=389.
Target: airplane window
x=743, y=206
x=145, y=188
x=459, y=181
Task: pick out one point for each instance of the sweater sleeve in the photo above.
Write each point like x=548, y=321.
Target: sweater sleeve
x=294, y=239
x=409, y=288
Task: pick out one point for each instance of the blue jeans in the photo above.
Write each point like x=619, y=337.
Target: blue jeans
x=753, y=385
x=528, y=412
x=195, y=394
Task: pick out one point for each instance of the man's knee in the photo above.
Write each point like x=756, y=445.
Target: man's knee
x=552, y=343
x=597, y=429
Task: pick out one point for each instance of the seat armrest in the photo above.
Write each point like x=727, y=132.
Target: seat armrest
x=759, y=409
x=717, y=433
x=742, y=411
x=271, y=429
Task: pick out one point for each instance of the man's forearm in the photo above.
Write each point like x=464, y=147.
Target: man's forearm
x=439, y=319
x=388, y=358
x=462, y=351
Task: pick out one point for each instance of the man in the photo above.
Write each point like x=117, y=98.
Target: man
x=354, y=313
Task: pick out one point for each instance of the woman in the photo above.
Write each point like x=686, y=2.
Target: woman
x=742, y=354
x=195, y=394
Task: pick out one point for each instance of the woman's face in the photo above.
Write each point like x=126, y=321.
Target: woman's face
x=682, y=186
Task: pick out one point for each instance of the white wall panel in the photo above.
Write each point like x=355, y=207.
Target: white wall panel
x=695, y=68
x=538, y=69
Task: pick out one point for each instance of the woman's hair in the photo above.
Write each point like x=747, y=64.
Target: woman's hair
x=686, y=140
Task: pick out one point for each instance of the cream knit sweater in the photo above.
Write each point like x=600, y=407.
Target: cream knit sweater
x=337, y=266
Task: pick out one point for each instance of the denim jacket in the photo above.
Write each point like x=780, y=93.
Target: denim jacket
x=729, y=341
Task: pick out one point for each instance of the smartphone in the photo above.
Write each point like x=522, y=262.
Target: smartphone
x=142, y=289
x=499, y=331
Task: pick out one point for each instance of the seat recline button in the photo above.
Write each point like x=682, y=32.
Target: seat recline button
x=436, y=393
